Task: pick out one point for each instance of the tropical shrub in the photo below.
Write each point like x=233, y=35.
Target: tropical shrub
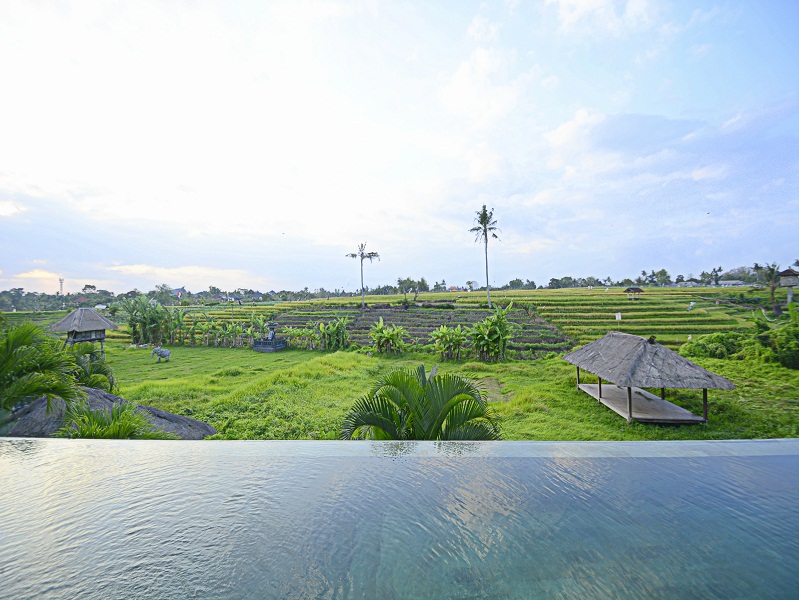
x=715, y=345
x=91, y=370
x=490, y=337
x=124, y=422
x=334, y=334
x=32, y=365
x=388, y=338
x=449, y=341
x=406, y=404
x=784, y=341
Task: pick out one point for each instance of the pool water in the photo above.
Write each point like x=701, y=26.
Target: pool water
x=128, y=519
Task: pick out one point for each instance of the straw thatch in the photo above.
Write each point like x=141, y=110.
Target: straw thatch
x=83, y=319
x=633, y=361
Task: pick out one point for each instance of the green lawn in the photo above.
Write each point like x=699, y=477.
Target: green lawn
x=298, y=394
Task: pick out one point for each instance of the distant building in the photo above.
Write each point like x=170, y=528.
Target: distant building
x=731, y=283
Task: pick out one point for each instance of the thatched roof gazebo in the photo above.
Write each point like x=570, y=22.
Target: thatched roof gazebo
x=633, y=293
x=84, y=325
x=633, y=362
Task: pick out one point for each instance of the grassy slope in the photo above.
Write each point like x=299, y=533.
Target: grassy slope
x=298, y=394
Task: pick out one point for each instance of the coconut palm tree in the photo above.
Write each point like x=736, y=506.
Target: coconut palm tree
x=33, y=365
x=407, y=404
x=485, y=227
x=362, y=254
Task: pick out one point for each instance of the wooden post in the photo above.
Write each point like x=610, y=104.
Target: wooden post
x=629, y=405
x=600, y=388
x=704, y=403
x=662, y=393
x=578, y=378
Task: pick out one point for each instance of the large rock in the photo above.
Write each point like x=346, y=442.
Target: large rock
x=35, y=421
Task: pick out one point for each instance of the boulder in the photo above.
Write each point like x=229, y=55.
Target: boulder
x=35, y=421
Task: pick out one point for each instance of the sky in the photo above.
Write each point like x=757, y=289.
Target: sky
x=255, y=144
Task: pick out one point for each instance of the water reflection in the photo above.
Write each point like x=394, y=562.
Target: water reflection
x=218, y=520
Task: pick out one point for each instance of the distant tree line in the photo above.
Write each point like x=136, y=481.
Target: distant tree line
x=766, y=274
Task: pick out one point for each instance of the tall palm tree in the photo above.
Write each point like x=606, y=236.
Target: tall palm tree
x=362, y=254
x=485, y=227
x=406, y=404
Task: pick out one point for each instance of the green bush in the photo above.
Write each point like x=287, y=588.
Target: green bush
x=450, y=341
x=785, y=344
x=122, y=422
x=388, y=338
x=491, y=336
x=714, y=345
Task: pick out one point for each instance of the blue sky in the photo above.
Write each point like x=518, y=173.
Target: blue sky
x=255, y=144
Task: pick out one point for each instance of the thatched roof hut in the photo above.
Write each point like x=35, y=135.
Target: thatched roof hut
x=84, y=325
x=634, y=362
x=633, y=293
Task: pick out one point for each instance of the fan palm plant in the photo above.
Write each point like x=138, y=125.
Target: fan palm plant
x=408, y=404
x=91, y=369
x=32, y=365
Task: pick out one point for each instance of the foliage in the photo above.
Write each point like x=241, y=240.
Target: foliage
x=334, y=334
x=486, y=227
x=769, y=274
x=406, y=404
x=123, y=422
x=770, y=341
x=306, y=395
x=91, y=368
x=147, y=320
x=715, y=345
x=32, y=365
x=388, y=338
x=449, y=341
x=785, y=343
x=491, y=336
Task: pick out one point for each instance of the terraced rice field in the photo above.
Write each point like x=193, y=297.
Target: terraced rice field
x=586, y=315
x=546, y=320
x=534, y=337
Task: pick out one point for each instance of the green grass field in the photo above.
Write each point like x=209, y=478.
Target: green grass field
x=299, y=394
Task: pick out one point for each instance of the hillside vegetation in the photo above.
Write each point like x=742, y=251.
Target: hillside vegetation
x=302, y=394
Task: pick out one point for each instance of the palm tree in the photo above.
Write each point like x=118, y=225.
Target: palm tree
x=91, y=369
x=406, y=404
x=32, y=365
x=362, y=254
x=771, y=276
x=485, y=228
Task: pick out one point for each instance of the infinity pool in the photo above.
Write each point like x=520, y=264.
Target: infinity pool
x=126, y=519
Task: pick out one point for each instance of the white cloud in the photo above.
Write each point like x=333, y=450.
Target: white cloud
x=550, y=83
x=596, y=16
x=194, y=277
x=709, y=172
x=37, y=279
x=484, y=163
x=483, y=30
x=571, y=148
x=9, y=208
x=472, y=93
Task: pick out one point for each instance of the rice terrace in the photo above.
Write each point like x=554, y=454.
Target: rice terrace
x=305, y=391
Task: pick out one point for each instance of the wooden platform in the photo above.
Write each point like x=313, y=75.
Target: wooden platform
x=647, y=408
